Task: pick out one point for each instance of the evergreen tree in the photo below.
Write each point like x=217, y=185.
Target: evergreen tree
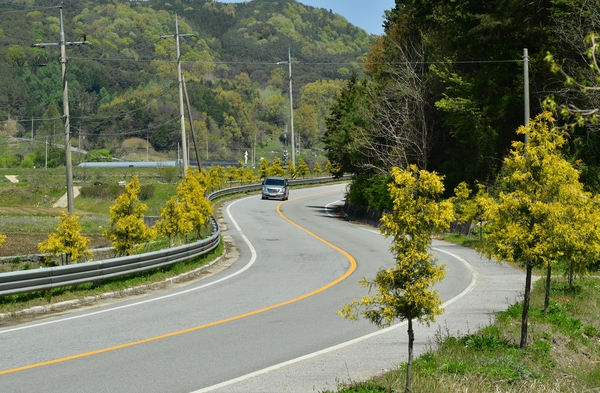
x=127, y=231
x=533, y=221
x=317, y=169
x=276, y=169
x=302, y=170
x=52, y=125
x=292, y=170
x=196, y=207
x=173, y=220
x=262, y=170
x=67, y=240
x=405, y=292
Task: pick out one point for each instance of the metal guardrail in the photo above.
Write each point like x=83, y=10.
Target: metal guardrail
x=53, y=277
x=48, y=278
x=256, y=187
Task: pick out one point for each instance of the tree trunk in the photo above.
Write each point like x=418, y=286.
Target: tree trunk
x=547, y=294
x=527, y=295
x=571, y=276
x=411, y=340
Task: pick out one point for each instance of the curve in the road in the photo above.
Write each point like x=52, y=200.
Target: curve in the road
x=215, y=323
x=334, y=348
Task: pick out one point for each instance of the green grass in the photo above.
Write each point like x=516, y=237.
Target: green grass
x=465, y=241
x=563, y=353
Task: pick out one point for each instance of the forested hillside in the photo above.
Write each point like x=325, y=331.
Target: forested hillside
x=444, y=89
x=124, y=84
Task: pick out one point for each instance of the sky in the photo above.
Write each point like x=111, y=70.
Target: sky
x=366, y=14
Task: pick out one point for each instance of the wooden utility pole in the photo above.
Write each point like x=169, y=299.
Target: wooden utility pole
x=65, y=89
x=180, y=84
x=289, y=62
x=189, y=109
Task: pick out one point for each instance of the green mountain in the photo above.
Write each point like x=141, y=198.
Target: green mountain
x=234, y=59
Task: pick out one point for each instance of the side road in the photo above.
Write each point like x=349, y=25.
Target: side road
x=62, y=201
x=494, y=287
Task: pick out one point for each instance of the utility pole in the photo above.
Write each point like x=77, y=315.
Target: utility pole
x=180, y=83
x=193, y=132
x=289, y=62
x=79, y=145
x=526, y=90
x=63, y=62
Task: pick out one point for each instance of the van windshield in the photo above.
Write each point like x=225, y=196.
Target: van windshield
x=275, y=182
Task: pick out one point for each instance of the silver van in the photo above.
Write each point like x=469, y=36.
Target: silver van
x=275, y=188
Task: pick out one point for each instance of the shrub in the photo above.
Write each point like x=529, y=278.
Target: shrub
x=146, y=192
x=168, y=174
x=483, y=342
x=102, y=191
x=371, y=191
x=111, y=191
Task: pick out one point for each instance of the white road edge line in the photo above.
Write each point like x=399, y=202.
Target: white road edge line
x=326, y=209
x=334, y=348
x=248, y=265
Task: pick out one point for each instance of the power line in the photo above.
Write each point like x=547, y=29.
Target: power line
x=93, y=117
x=140, y=131
x=103, y=134
x=28, y=9
x=177, y=35
x=305, y=62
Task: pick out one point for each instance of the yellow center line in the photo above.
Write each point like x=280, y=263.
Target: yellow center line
x=220, y=322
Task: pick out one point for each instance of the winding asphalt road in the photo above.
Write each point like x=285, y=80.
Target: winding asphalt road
x=266, y=324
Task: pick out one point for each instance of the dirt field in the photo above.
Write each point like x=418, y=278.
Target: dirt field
x=20, y=244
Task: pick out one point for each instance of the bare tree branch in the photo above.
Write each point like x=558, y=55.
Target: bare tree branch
x=401, y=134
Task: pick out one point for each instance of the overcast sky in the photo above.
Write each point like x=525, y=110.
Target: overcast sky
x=366, y=14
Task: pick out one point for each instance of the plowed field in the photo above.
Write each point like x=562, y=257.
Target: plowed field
x=19, y=244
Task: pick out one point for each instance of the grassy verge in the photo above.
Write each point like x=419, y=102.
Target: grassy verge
x=13, y=303
x=462, y=240
x=563, y=353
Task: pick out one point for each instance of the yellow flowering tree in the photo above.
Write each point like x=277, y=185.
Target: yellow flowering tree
x=67, y=241
x=215, y=178
x=317, y=169
x=247, y=175
x=233, y=174
x=127, y=231
x=196, y=207
x=276, y=169
x=292, y=170
x=334, y=170
x=173, y=220
x=262, y=169
x=405, y=291
x=472, y=209
x=302, y=169
x=537, y=218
